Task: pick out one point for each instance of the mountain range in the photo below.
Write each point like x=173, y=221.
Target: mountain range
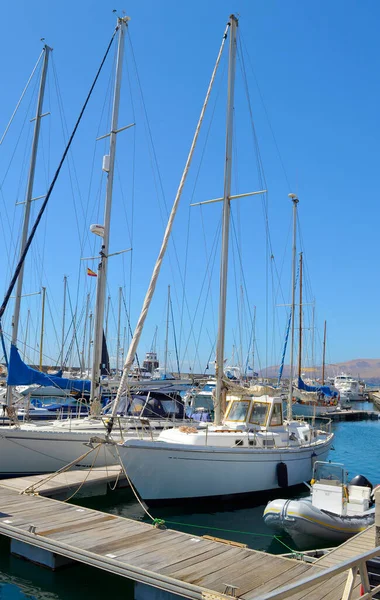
x=367, y=369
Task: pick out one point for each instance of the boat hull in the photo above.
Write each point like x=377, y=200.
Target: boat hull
x=25, y=452
x=166, y=472
x=305, y=523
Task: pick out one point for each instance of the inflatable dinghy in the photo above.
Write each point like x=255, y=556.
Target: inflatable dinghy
x=333, y=512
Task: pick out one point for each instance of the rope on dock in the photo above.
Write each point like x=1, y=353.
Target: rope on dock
x=31, y=489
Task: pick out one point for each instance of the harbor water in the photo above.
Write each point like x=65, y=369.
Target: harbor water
x=356, y=445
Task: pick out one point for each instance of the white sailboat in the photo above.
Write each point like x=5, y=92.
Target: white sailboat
x=252, y=448
x=27, y=448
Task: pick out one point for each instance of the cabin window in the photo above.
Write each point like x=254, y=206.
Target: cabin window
x=259, y=413
x=238, y=411
x=276, y=415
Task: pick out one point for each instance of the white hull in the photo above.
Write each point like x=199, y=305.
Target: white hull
x=28, y=451
x=161, y=471
x=303, y=522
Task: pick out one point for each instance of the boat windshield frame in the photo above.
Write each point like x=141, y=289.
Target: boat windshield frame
x=232, y=407
x=335, y=474
x=263, y=421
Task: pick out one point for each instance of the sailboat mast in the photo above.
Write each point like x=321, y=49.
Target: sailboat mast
x=89, y=343
x=253, y=340
x=290, y=396
x=220, y=389
x=42, y=326
x=324, y=355
x=28, y=201
x=83, y=357
x=29, y=191
x=108, y=166
x=118, y=332
x=63, y=322
x=300, y=321
x=167, y=334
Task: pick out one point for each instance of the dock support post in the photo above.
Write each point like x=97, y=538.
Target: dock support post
x=377, y=518
x=39, y=555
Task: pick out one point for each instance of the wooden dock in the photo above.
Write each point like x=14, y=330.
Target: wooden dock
x=360, y=543
x=81, y=482
x=352, y=415
x=175, y=562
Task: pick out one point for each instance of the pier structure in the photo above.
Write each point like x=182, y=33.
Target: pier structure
x=167, y=564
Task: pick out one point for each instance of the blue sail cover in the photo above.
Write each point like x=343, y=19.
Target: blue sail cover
x=322, y=389
x=20, y=374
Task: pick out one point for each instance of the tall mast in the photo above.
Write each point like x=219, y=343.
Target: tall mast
x=312, y=341
x=89, y=342
x=42, y=326
x=300, y=321
x=108, y=166
x=220, y=388
x=118, y=332
x=63, y=322
x=324, y=355
x=107, y=315
x=253, y=340
x=83, y=356
x=28, y=201
x=29, y=191
x=290, y=396
x=26, y=333
x=167, y=334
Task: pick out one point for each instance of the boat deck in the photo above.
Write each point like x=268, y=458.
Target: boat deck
x=188, y=565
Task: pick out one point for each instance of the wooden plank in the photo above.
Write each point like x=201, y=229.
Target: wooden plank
x=239, y=569
x=125, y=542
x=76, y=526
x=267, y=583
x=44, y=520
x=136, y=553
x=335, y=584
x=90, y=537
x=187, y=550
x=203, y=562
x=144, y=548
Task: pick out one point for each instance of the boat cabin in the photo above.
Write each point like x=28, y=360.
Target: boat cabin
x=251, y=413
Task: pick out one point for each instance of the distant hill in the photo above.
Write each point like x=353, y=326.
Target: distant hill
x=365, y=368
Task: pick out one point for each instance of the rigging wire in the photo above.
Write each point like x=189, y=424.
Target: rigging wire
x=21, y=97
x=51, y=187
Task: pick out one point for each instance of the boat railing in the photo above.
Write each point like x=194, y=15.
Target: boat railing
x=322, y=423
x=357, y=572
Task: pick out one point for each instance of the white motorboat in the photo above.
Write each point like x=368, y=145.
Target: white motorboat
x=332, y=513
x=252, y=451
x=349, y=388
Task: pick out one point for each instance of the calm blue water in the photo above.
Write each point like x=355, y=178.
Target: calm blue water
x=356, y=445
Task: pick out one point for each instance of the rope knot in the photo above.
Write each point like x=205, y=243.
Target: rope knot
x=159, y=524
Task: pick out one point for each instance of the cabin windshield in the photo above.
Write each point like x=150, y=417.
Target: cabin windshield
x=328, y=473
x=259, y=413
x=238, y=411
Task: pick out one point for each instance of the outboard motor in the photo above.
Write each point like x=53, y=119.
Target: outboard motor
x=362, y=481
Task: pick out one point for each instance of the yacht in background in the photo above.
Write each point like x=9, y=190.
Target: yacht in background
x=349, y=388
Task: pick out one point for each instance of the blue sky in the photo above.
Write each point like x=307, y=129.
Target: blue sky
x=311, y=71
